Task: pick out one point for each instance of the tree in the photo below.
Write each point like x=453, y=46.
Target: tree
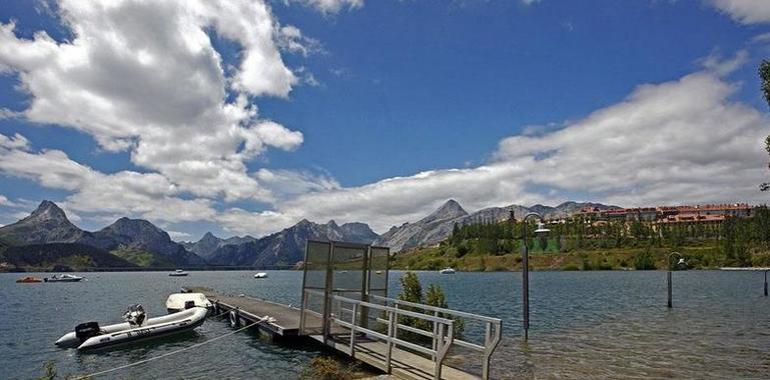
x=764, y=74
x=411, y=291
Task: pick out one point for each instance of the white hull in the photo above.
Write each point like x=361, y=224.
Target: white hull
x=63, y=278
x=125, y=333
x=178, y=301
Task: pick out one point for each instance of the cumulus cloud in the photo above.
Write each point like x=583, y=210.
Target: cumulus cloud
x=745, y=11
x=330, y=6
x=144, y=77
x=290, y=38
x=149, y=195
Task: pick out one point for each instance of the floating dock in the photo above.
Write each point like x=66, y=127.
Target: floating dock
x=250, y=309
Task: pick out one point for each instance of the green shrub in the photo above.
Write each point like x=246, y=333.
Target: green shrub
x=570, y=267
x=644, y=260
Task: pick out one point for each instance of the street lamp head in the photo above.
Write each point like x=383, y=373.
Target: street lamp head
x=541, y=230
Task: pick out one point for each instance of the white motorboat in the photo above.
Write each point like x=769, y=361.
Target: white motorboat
x=63, y=278
x=90, y=335
x=260, y=275
x=178, y=273
x=447, y=271
x=183, y=301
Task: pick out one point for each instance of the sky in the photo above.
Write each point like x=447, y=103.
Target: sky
x=246, y=116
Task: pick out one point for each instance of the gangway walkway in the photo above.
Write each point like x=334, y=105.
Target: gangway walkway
x=400, y=349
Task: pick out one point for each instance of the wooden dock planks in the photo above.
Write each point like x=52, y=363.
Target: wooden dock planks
x=404, y=364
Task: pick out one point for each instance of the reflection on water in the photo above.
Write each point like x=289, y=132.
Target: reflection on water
x=583, y=325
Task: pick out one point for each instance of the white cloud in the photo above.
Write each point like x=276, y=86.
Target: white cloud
x=290, y=38
x=178, y=235
x=144, y=77
x=6, y=113
x=149, y=195
x=715, y=63
x=745, y=11
x=330, y=6
x=334, y=6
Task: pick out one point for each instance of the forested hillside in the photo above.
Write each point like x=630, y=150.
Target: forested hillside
x=584, y=244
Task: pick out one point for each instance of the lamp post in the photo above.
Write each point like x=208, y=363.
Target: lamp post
x=541, y=230
x=668, y=263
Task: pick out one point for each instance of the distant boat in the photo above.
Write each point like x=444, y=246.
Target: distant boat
x=63, y=278
x=260, y=275
x=447, y=271
x=178, y=273
x=183, y=301
x=28, y=280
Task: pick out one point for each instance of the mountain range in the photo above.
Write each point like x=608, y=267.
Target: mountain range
x=437, y=226
x=48, y=232
x=287, y=247
x=134, y=240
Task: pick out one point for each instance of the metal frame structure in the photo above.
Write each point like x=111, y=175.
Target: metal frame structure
x=368, y=314
x=329, y=269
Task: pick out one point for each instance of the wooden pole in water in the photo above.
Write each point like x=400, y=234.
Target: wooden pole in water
x=766, y=283
x=670, y=305
x=668, y=277
x=525, y=285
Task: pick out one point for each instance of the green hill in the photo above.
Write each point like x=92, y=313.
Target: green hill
x=142, y=258
x=60, y=256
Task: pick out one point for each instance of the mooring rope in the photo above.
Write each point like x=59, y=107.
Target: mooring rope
x=263, y=319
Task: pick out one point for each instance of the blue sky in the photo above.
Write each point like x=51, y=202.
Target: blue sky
x=380, y=110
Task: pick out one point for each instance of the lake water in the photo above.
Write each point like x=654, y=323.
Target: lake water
x=583, y=325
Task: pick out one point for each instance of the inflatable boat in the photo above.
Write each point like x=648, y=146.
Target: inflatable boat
x=90, y=335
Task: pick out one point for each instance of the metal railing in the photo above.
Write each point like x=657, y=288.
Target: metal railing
x=492, y=335
x=441, y=339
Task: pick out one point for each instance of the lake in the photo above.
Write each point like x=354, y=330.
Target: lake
x=583, y=325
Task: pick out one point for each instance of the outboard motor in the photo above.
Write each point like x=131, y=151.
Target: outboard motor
x=135, y=315
x=87, y=330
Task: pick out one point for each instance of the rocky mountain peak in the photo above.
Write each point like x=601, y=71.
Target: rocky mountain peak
x=47, y=224
x=208, y=237
x=48, y=210
x=449, y=210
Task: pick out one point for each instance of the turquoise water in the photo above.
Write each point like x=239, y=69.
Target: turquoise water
x=583, y=325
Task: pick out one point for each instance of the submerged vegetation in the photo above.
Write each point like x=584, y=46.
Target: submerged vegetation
x=580, y=244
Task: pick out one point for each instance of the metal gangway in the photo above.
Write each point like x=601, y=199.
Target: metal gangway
x=346, y=307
